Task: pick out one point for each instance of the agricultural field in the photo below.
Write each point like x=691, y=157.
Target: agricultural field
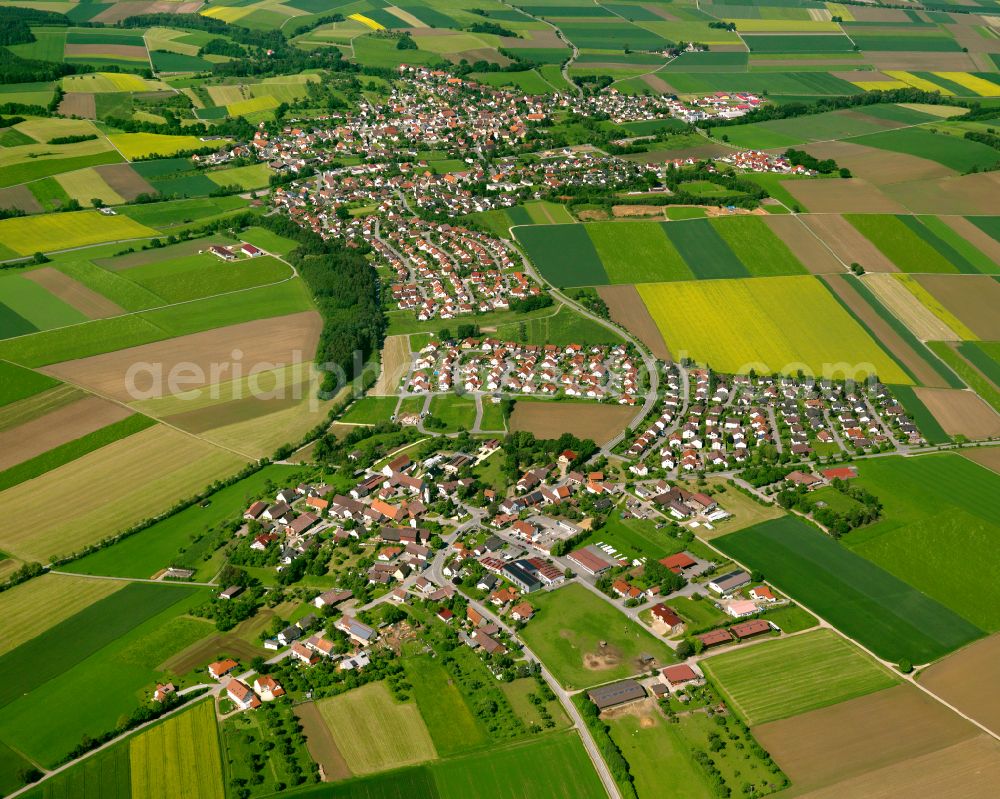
x=941, y=504
x=568, y=629
x=24, y=235
x=817, y=669
x=179, y=757
x=778, y=329
x=653, y=252
x=452, y=726
x=598, y=421
x=968, y=298
x=959, y=677
x=862, y=599
x=362, y=720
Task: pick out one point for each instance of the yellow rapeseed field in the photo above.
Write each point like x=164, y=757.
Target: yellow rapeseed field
x=772, y=324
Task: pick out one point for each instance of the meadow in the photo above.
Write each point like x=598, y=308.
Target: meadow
x=104, y=775
x=567, y=630
x=940, y=516
x=196, y=276
x=953, y=152
x=876, y=608
x=31, y=302
x=452, y=726
x=370, y=410
x=564, y=254
x=18, y=383
x=456, y=413
x=807, y=671
x=779, y=324
x=912, y=245
x=363, y=720
x=179, y=757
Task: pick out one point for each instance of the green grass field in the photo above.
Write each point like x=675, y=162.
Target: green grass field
x=457, y=413
x=452, y=726
x=901, y=243
x=363, y=720
x=564, y=254
x=17, y=383
x=569, y=627
x=883, y=613
x=370, y=410
x=105, y=775
x=954, y=152
x=637, y=252
x=50, y=675
x=565, y=326
x=785, y=324
x=761, y=251
x=783, y=678
x=179, y=757
x=939, y=526
x=195, y=276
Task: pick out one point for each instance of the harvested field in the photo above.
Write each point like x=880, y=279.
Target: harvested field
x=913, y=313
x=959, y=680
x=847, y=243
x=825, y=746
x=853, y=195
x=974, y=299
x=80, y=104
x=58, y=427
x=20, y=197
x=986, y=244
x=966, y=195
x=626, y=211
x=967, y=770
x=628, y=310
x=583, y=419
x=128, y=52
x=322, y=748
x=889, y=338
x=24, y=410
x=84, y=299
x=162, y=466
x=263, y=344
x=119, y=11
x=395, y=362
x=814, y=255
x=657, y=84
x=879, y=166
x=124, y=180
x=985, y=456
x=960, y=412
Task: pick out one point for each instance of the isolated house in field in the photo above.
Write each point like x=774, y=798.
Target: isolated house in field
x=250, y=251
x=222, y=252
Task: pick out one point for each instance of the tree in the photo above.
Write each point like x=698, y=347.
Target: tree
x=684, y=650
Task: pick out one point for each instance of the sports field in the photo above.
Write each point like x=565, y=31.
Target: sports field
x=882, y=612
x=179, y=758
x=940, y=519
x=364, y=720
x=567, y=632
x=782, y=678
x=779, y=324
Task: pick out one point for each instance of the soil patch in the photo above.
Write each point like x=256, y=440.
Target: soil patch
x=80, y=104
x=590, y=420
x=967, y=770
x=267, y=342
x=603, y=658
x=592, y=215
x=395, y=362
x=847, y=243
x=913, y=313
x=879, y=166
x=658, y=84
x=974, y=299
x=888, y=337
x=65, y=424
x=124, y=180
x=964, y=195
x=127, y=51
x=962, y=413
x=826, y=746
x=815, y=256
x=852, y=195
x=321, y=745
x=119, y=11
x=20, y=197
x=628, y=310
x=85, y=300
x=625, y=211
